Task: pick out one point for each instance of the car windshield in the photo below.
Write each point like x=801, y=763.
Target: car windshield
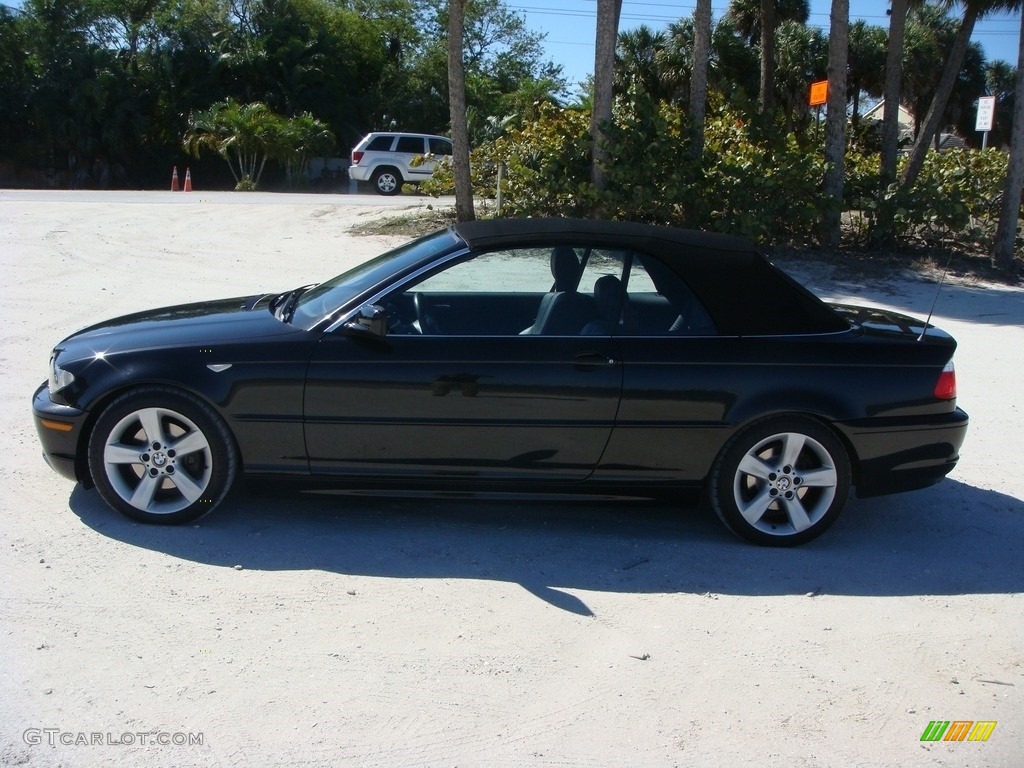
x=328, y=296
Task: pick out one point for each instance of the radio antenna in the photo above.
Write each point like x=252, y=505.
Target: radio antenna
x=938, y=289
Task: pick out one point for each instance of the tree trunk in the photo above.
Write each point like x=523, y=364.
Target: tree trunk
x=892, y=94
x=464, y=210
x=933, y=120
x=604, y=79
x=699, y=79
x=766, y=93
x=1009, y=216
x=835, y=122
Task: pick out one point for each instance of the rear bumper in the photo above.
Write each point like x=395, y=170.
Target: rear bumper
x=905, y=454
x=59, y=428
x=358, y=173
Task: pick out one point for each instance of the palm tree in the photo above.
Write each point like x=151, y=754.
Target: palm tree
x=835, y=122
x=638, y=62
x=300, y=138
x=891, y=93
x=758, y=21
x=973, y=10
x=464, y=210
x=242, y=134
x=608, y=12
x=699, y=79
x=1001, y=82
x=802, y=59
x=866, y=65
x=1009, y=216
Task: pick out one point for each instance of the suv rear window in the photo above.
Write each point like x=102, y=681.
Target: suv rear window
x=380, y=144
x=410, y=144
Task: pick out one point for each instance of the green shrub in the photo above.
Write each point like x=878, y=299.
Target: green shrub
x=954, y=202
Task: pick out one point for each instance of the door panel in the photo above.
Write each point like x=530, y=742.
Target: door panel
x=461, y=407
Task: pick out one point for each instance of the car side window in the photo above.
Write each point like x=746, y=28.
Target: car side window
x=380, y=144
x=440, y=146
x=557, y=290
x=658, y=302
x=410, y=144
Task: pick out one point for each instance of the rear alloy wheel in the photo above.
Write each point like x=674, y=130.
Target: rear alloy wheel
x=161, y=456
x=782, y=481
x=386, y=181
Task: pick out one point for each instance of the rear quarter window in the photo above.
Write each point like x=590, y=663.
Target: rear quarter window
x=440, y=147
x=380, y=144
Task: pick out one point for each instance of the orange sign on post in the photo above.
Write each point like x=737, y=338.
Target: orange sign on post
x=819, y=93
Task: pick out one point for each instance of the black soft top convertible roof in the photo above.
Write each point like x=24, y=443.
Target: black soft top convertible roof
x=741, y=290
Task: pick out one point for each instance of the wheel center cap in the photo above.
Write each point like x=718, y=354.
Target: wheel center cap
x=159, y=459
x=784, y=483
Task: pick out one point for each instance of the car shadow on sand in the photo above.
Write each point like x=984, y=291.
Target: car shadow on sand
x=951, y=539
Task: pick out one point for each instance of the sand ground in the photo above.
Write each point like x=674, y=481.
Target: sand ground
x=296, y=630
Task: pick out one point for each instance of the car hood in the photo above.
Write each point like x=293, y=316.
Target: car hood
x=204, y=323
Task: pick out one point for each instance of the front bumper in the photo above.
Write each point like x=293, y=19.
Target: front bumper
x=60, y=430
x=905, y=454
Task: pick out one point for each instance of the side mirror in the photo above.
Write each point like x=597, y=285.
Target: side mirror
x=369, y=319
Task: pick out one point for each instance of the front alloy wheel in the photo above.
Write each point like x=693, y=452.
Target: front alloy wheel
x=161, y=456
x=782, y=481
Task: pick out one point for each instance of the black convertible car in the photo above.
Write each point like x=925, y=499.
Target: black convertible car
x=517, y=356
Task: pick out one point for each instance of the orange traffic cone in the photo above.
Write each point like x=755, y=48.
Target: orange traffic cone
x=188, y=179
x=174, y=179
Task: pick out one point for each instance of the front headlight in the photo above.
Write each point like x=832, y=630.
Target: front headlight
x=59, y=378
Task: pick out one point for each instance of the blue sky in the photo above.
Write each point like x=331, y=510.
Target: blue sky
x=569, y=25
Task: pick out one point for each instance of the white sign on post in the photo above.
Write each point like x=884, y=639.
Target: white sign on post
x=986, y=113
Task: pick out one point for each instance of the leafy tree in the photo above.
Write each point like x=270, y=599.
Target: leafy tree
x=18, y=78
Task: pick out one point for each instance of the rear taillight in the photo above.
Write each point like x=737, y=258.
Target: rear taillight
x=945, y=387
x=356, y=157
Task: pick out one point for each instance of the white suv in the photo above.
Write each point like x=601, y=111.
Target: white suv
x=385, y=159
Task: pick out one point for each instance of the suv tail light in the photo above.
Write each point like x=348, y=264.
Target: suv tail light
x=356, y=157
x=945, y=387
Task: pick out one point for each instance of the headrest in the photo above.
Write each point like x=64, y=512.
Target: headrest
x=565, y=268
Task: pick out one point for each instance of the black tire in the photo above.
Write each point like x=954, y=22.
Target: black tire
x=782, y=481
x=177, y=474
x=387, y=181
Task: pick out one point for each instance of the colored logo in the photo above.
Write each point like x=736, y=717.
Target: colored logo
x=958, y=730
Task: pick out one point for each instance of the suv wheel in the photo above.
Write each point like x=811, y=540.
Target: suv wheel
x=386, y=181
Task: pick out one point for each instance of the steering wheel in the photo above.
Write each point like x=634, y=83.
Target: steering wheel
x=428, y=326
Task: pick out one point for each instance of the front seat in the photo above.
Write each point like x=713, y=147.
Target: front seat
x=563, y=311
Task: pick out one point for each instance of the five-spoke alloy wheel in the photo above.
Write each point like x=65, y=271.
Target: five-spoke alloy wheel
x=782, y=481
x=161, y=456
x=387, y=181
